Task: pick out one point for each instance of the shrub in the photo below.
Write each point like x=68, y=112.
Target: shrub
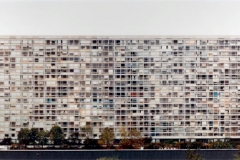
x=193, y=155
x=109, y=158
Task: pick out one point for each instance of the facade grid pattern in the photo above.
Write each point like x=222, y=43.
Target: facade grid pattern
x=166, y=87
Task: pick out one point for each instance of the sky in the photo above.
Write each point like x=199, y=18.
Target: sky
x=119, y=17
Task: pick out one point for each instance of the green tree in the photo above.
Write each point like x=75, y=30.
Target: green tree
x=43, y=137
x=33, y=135
x=107, y=137
x=6, y=141
x=193, y=155
x=74, y=137
x=177, y=144
x=23, y=136
x=56, y=135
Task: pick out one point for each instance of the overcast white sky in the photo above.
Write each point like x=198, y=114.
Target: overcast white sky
x=117, y=17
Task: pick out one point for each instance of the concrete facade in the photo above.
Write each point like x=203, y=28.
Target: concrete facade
x=165, y=86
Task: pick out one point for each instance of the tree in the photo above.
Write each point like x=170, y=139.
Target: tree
x=23, y=136
x=87, y=130
x=74, y=137
x=6, y=141
x=131, y=139
x=43, y=137
x=95, y=144
x=193, y=155
x=56, y=135
x=147, y=140
x=107, y=137
x=177, y=144
x=125, y=143
x=135, y=138
x=123, y=132
x=33, y=135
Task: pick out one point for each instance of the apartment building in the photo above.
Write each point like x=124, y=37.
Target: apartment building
x=168, y=87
